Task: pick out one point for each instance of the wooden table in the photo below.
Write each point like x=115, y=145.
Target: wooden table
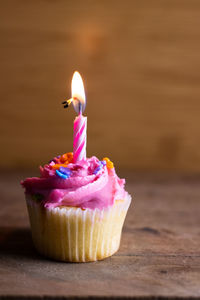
x=159, y=254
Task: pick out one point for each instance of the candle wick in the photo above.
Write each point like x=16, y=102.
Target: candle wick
x=80, y=108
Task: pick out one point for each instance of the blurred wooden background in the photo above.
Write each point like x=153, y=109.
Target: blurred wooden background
x=140, y=60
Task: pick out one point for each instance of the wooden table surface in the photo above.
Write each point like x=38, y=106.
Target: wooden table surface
x=159, y=254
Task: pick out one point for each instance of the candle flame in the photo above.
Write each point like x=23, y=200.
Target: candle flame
x=78, y=93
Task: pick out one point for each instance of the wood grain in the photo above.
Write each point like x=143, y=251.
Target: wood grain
x=159, y=254
x=140, y=61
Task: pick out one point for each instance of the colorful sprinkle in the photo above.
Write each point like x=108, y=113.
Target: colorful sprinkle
x=66, y=158
x=101, y=164
x=109, y=163
x=61, y=174
x=65, y=171
x=62, y=160
x=57, y=166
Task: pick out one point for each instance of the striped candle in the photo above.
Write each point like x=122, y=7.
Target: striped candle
x=80, y=138
x=80, y=123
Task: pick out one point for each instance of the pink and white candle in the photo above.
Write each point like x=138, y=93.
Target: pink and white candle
x=80, y=138
x=80, y=122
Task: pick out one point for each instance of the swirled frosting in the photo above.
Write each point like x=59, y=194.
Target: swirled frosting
x=90, y=183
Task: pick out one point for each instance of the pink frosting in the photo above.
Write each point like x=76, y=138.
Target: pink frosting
x=84, y=188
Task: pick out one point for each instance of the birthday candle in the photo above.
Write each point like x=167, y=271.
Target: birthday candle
x=79, y=144
x=80, y=123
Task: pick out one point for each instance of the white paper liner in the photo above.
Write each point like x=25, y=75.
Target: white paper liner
x=76, y=235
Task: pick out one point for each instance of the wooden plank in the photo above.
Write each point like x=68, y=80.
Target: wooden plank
x=140, y=62
x=159, y=253
x=117, y=276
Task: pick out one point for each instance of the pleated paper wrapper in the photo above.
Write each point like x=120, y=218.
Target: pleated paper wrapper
x=76, y=235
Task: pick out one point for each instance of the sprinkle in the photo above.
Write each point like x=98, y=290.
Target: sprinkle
x=60, y=174
x=97, y=169
x=109, y=163
x=63, y=158
x=57, y=166
x=67, y=157
x=70, y=156
x=65, y=171
x=101, y=165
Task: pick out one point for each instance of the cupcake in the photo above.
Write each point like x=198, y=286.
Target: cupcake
x=76, y=209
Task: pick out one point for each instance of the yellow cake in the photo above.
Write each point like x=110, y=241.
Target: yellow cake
x=77, y=235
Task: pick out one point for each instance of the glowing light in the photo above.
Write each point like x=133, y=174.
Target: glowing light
x=78, y=93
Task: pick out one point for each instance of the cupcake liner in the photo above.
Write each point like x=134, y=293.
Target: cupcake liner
x=76, y=235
